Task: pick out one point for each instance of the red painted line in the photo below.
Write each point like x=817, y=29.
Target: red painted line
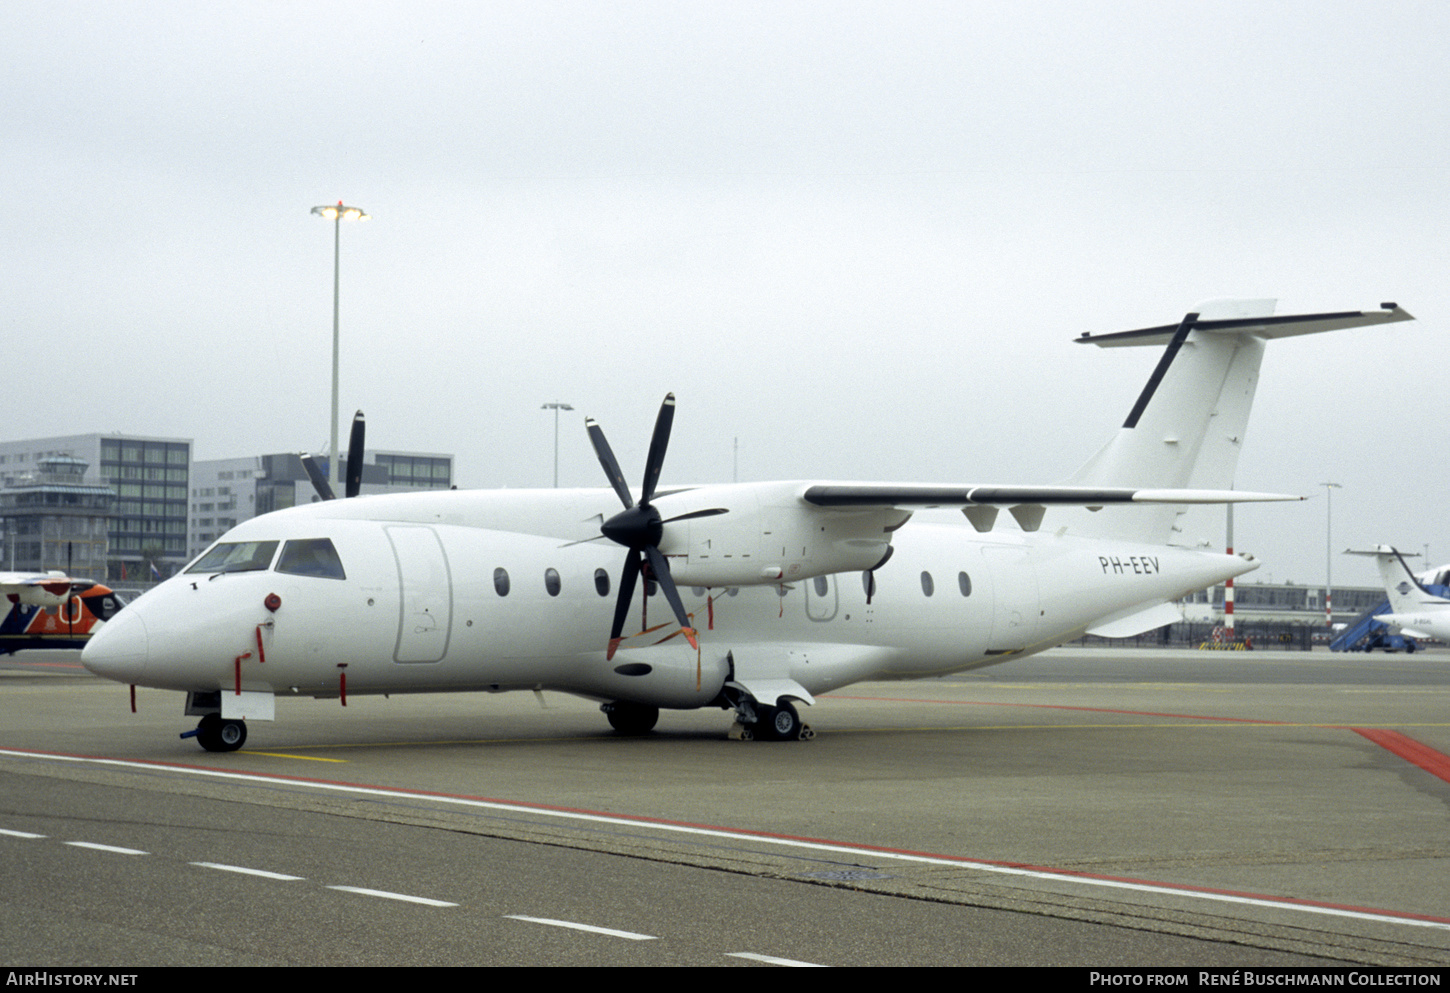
x=1435, y=763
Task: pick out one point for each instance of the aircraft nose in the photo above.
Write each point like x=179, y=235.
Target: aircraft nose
x=119, y=650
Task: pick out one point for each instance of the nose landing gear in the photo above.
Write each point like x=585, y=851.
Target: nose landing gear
x=217, y=734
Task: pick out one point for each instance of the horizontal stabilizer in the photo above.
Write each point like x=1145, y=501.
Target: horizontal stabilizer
x=1261, y=327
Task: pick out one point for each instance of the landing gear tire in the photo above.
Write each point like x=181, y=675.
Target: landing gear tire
x=780, y=723
x=217, y=734
x=631, y=718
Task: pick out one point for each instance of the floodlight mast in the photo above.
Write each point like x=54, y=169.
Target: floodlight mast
x=337, y=214
x=556, y=407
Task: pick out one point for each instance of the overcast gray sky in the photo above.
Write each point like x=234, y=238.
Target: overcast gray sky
x=858, y=237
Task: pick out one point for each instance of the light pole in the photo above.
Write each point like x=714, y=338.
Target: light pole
x=1329, y=489
x=336, y=214
x=556, y=407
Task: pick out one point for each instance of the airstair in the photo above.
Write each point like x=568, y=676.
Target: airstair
x=1367, y=634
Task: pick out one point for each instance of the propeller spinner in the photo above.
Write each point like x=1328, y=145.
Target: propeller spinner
x=638, y=527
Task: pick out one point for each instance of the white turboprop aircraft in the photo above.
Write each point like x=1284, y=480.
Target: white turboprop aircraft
x=1414, y=610
x=781, y=591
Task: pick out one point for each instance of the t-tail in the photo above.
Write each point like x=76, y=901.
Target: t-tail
x=1405, y=592
x=1187, y=427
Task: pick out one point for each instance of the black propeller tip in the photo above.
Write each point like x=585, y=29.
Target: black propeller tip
x=353, y=480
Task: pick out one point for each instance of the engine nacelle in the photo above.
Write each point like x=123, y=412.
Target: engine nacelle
x=755, y=534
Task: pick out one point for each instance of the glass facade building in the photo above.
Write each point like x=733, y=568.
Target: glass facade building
x=149, y=478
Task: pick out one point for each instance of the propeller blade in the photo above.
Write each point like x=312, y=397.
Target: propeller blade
x=657, y=445
x=318, y=477
x=696, y=514
x=660, y=570
x=608, y=461
x=355, y=457
x=621, y=606
x=638, y=526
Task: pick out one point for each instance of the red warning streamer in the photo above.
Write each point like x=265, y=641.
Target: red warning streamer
x=237, y=665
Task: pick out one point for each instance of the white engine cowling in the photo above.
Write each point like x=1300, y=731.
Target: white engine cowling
x=761, y=534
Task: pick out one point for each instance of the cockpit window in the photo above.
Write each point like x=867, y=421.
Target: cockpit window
x=311, y=557
x=237, y=556
x=103, y=605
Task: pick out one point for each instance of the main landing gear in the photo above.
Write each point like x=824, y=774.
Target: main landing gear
x=755, y=720
x=631, y=718
x=218, y=734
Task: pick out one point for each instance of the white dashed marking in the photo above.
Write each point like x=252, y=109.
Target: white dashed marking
x=632, y=936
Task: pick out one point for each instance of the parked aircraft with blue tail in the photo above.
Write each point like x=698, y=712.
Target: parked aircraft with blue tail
x=1417, y=611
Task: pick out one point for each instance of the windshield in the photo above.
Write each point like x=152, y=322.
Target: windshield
x=311, y=557
x=236, y=556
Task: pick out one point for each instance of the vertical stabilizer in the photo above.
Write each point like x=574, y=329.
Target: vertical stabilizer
x=1187, y=427
x=1404, y=591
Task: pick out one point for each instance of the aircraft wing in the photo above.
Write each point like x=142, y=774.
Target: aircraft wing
x=39, y=589
x=1027, y=504
x=928, y=495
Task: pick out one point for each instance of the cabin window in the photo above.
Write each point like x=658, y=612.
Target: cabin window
x=311, y=557
x=501, y=581
x=822, y=585
x=927, y=586
x=551, y=581
x=601, y=582
x=964, y=582
x=237, y=556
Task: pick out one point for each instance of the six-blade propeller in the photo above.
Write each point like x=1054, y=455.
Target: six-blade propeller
x=638, y=527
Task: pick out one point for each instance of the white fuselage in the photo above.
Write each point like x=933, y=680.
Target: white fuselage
x=1415, y=610
x=421, y=608
x=1428, y=622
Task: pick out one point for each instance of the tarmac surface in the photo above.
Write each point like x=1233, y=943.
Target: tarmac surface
x=1085, y=807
